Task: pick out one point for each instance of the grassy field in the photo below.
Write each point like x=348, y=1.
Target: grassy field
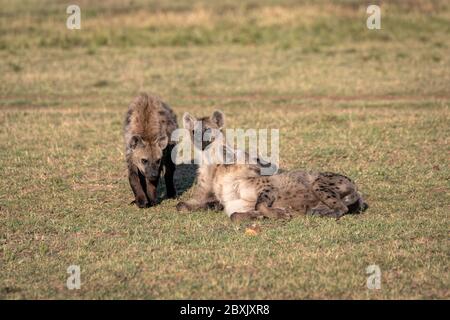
x=372, y=104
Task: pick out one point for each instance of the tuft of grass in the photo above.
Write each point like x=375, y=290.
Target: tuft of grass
x=15, y=67
x=101, y=83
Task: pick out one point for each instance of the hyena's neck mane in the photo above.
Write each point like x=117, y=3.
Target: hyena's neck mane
x=143, y=117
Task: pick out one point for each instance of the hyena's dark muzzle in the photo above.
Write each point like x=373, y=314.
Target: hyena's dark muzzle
x=152, y=172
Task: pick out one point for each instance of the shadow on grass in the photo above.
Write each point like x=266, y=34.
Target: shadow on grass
x=184, y=179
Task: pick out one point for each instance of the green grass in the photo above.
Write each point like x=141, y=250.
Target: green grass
x=370, y=104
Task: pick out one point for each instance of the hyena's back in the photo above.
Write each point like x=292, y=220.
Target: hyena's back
x=312, y=189
x=148, y=116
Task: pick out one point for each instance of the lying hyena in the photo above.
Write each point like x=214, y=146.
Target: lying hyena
x=213, y=177
x=245, y=194
x=149, y=124
x=296, y=192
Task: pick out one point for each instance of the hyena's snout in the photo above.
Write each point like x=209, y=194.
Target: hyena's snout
x=152, y=171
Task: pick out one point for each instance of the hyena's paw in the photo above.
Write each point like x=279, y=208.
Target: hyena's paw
x=275, y=213
x=141, y=203
x=214, y=205
x=326, y=212
x=245, y=216
x=282, y=213
x=183, y=207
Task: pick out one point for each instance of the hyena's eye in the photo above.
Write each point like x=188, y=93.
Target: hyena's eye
x=144, y=161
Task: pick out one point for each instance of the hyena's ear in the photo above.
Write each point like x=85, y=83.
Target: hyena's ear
x=162, y=141
x=188, y=121
x=136, y=141
x=218, y=118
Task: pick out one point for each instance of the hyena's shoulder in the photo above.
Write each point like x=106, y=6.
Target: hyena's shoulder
x=308, y=178
x=334, y=178
x=230, y=174
x=148, y=116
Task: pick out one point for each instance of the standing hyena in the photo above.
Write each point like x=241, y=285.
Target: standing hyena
x=149, y=124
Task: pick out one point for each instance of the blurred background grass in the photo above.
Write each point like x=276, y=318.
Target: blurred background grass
x=221, y=48
x=284, y=23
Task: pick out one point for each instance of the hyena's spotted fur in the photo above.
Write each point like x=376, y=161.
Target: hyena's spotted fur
x=244, y=193
x=295, y=192
x=148, y=126
x=213, y=178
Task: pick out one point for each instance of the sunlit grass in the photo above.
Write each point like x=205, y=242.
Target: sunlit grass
x=374, y=106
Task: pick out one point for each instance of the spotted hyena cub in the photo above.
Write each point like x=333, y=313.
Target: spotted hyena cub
x=296, y=192
x=149, y=124
x=213, y=177
x=244, y=193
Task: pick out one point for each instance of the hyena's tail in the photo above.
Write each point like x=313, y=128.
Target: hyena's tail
x=355, y=203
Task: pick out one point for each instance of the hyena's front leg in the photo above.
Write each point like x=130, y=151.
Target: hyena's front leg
x=169, y=172
x=203, y=198
x=262, y=212
x=199, y=203
x=151, y=187
x=136, y=182
x=243, y=216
